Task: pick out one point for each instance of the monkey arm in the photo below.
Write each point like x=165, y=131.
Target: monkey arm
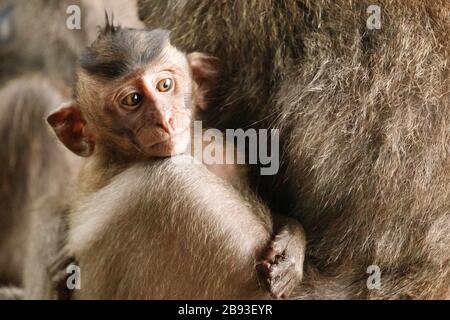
x=372, y=189
x=281, y=268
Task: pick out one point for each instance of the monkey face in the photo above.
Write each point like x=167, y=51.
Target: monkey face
x=135, y=95
x=152, y=113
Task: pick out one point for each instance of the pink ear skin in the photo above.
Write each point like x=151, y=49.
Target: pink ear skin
x=205, y=73
x=70, y=127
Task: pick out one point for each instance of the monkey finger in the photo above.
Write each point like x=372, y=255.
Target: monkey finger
x=264, y=269
x=283, y=279
x=270, y=253
x=282, y=269
x=282, y=240
x=283, y=288
x=272, y=259
x=280, y=278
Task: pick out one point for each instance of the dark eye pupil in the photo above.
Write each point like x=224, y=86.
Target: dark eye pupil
x=166, y=84
x=132, y=100
x=135, y=98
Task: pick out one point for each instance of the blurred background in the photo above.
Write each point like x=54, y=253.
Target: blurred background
x=40, y=42
x=48, y=35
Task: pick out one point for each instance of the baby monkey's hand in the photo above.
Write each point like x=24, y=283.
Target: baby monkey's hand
x=281, y=268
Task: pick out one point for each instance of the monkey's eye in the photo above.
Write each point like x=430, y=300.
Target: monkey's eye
x=165, y=85
x=131, y=101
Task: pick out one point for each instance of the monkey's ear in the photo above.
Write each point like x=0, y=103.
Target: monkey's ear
x=205, y=73
x=70, y=127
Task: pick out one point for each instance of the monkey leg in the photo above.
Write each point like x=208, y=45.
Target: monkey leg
x=282, y=266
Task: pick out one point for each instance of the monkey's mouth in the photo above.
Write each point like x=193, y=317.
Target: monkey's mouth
x=175, y=144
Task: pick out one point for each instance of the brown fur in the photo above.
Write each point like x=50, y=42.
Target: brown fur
x=364, y=118
x=233, y=225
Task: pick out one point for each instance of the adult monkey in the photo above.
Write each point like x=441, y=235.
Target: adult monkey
x=364, y=118
x=313, y=180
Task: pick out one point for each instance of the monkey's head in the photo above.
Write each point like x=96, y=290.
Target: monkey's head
x=135, y=94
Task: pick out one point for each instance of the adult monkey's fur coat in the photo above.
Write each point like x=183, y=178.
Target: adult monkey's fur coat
x=365, y=127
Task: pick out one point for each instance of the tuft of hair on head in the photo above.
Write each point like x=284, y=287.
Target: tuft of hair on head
x=109, y=28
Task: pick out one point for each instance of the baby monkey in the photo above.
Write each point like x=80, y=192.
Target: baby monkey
x=135, y=98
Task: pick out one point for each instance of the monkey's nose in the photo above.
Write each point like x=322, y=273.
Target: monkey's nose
x=167, y=122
